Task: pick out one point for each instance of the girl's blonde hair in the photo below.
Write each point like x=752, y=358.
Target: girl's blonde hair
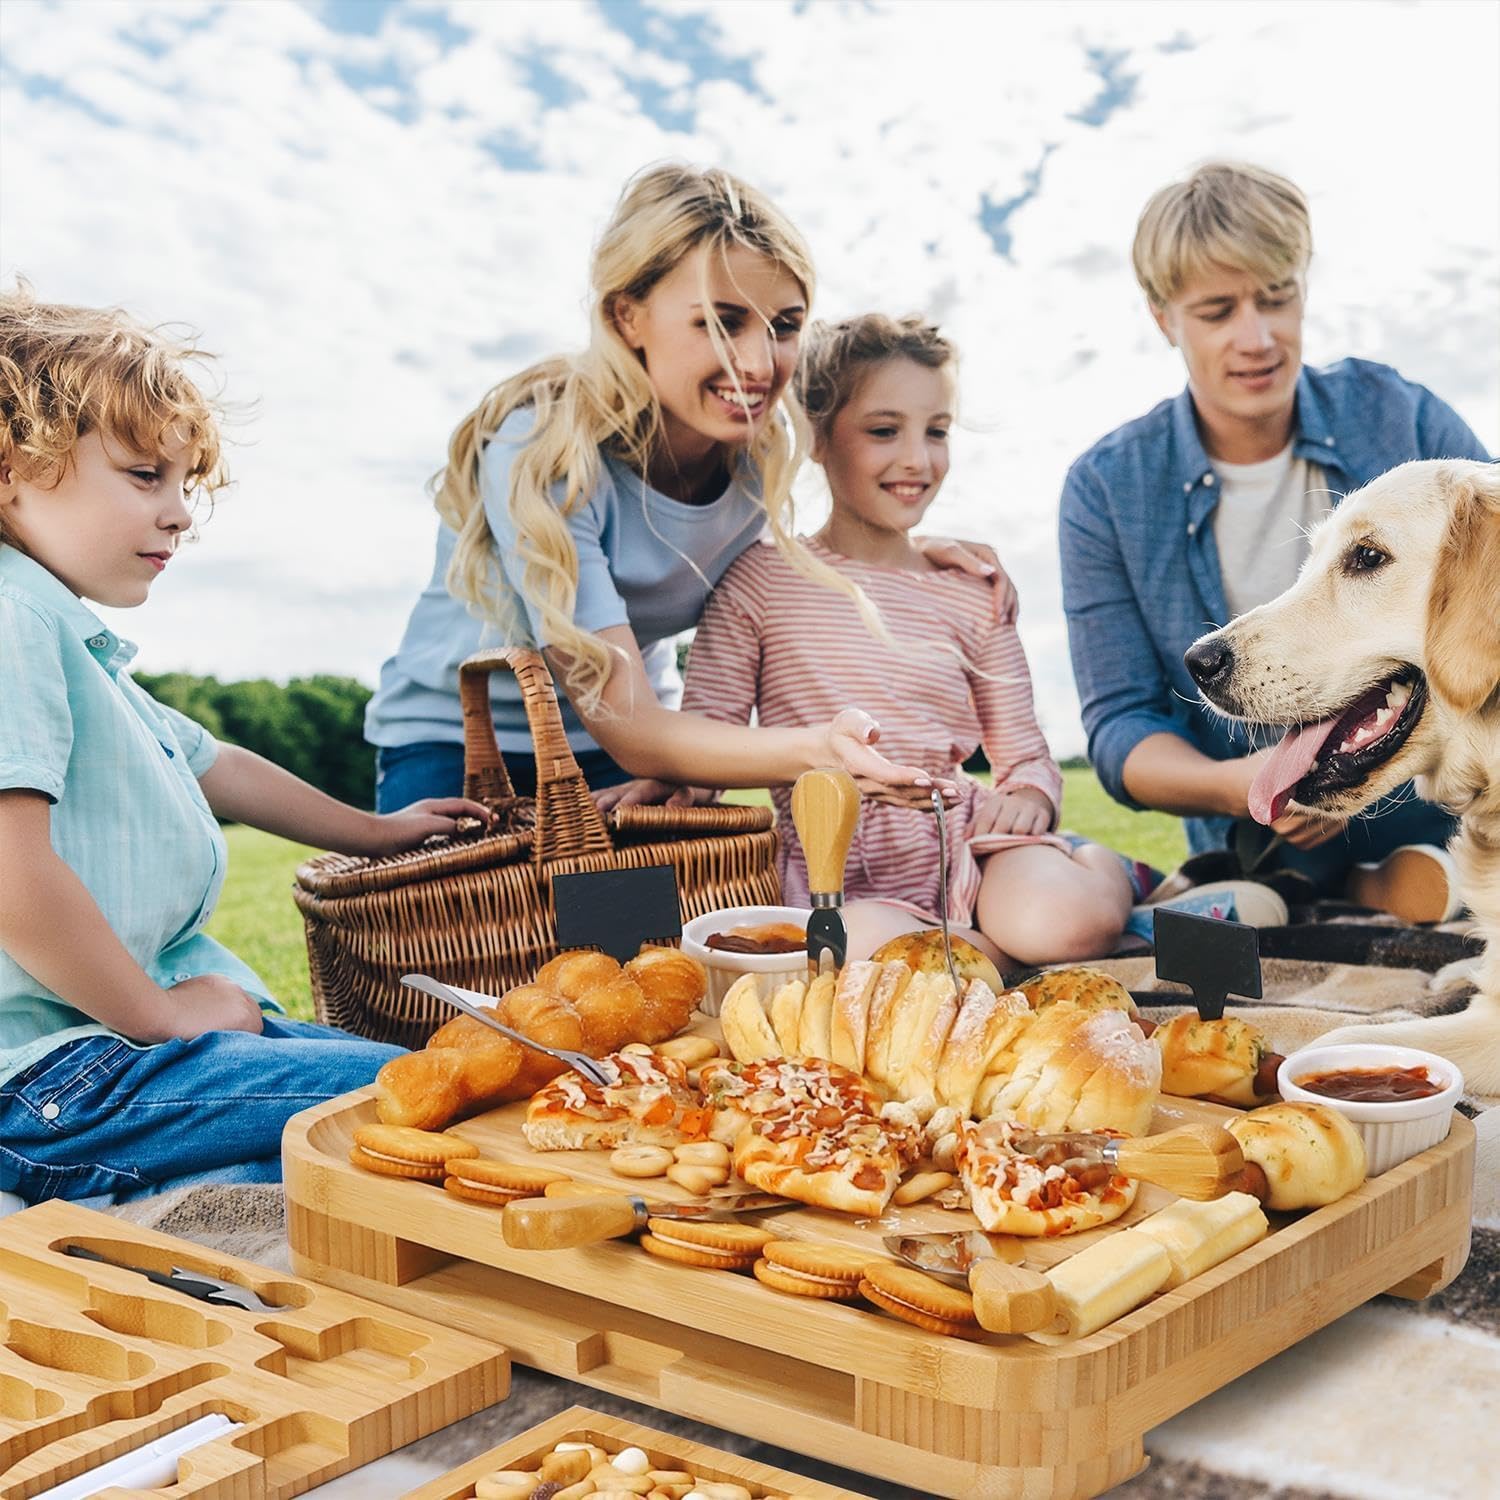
x=837, y=357
x=68, y=371
x=603, y=398
x=1225, y=214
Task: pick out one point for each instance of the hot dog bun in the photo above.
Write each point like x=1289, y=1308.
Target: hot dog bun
x=1310, y=1153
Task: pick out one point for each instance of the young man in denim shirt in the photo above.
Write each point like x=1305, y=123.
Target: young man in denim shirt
x=1197, y=512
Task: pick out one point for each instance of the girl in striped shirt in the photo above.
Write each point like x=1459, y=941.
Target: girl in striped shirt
x=949, y=677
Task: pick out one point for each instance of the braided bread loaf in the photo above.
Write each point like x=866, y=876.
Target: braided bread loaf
x=1074, y=1065
x=582, y=1001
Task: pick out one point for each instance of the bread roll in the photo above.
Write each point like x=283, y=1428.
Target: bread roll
x=922, y=953
x=1092, y=989
x=815, y=1023
x=880, y=1026
x=851, y=1014
x=786, y=1016
x=1310, y=1153
x=1198, y=1236
x=1202, y=1057
x=427, y=1089
x=917, y=1081
x=985, y=1022
x=1122, y=1091
x=673, y=983
x=747, y=1031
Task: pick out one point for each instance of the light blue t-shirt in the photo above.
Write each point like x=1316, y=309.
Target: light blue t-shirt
x=644, y=560
x=128, y=816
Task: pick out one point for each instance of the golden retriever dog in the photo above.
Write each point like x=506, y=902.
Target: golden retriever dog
x=1384, y=656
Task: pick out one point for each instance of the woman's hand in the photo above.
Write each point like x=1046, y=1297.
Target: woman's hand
x=409, y=826
x=1023, y=810
x=647, y=793
x=980, y=561
x=210, y=1002
x=850, y=739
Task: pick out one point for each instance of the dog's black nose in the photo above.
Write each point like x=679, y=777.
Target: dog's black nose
x=1210, y=661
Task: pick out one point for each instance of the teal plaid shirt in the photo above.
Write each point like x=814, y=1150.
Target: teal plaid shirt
x=128, y=816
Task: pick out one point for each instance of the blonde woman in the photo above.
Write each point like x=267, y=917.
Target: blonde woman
x=591, y=502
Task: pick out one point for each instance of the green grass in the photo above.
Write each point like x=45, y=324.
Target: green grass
x=256, y=917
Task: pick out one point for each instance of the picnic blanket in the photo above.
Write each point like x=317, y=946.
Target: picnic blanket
x=1395, y=1400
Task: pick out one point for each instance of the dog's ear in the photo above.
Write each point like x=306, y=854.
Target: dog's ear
x=1463, y=613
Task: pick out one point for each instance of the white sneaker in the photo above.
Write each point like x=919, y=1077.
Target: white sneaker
x=1417, y=882
x=1254, y=904
x=10, y=1203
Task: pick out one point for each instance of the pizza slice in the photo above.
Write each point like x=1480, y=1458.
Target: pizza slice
x=811, y=1130
x=649, y=1103
x=1034, y=1195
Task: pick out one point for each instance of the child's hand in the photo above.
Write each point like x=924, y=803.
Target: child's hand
x=979, y=560
x=1024, y=810
x=850, y=740
x=647, y=793
x=211, y=1002
x=406, y=828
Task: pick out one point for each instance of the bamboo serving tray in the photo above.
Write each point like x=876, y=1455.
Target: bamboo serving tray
x=96, y=1361
x=581, y=1424
x=999, y=1418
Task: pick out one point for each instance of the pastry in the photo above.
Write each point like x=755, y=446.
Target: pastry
x=1024, y=1195
x=1226, y=1058
x=647, y=1103
x=1310, y=1154
x=923, y=953
x=1092, y=989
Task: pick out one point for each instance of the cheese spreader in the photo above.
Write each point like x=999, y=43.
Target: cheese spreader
x=562, y=1223
x=825, y=809
x=1008, y=1297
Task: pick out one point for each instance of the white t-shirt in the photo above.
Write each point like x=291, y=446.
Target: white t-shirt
x=1261, y=522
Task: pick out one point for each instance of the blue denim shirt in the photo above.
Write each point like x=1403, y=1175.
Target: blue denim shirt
x=1140, y=568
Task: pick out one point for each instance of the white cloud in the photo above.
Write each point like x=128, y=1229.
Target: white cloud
x=372, y=227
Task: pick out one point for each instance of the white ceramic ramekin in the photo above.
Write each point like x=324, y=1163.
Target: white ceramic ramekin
x=772, y=970
x=1391, y=1132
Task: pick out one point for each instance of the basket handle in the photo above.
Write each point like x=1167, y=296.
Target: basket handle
x=567, y=822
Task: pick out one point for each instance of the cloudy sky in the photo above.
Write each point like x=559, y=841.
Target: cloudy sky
x=374, y=209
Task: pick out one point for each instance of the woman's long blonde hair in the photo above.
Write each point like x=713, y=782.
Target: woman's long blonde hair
x=603, y=398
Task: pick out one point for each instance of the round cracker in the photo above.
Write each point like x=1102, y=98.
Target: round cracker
x=897, y=1286
x=509, y=1176
x=473, y=1193
x=728, y=1237
x=780, y=1279
x=412, y=1171
x=688, y=1255
x=837, y=1262
x=405, y=1143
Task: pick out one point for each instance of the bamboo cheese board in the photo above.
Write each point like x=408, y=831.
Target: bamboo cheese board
x=97, y=1361
x=580, y=1424
x=995, y=1418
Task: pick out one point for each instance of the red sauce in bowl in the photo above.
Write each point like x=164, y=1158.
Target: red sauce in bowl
x=1372, y=1085
x=773, y=937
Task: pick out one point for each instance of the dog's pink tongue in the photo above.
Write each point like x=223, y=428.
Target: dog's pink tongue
x=1286, y=765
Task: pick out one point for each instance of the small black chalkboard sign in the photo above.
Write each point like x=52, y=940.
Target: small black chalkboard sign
x=617, y=910
x=1214, y=958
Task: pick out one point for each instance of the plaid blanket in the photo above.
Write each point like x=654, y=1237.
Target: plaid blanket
x=1393, y=1401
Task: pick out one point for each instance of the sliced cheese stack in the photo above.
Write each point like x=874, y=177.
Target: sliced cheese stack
x=1074, y=1065
x=1199, y=1235
x=1104, y=1282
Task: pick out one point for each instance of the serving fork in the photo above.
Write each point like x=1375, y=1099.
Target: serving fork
x=460, y=999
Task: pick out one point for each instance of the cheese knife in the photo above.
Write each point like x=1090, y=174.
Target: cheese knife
x=561, y=1223
x=199, y=1284
x=825, y=809
x=1008, y=1297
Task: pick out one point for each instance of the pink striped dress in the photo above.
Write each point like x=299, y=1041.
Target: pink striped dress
x=796, y=653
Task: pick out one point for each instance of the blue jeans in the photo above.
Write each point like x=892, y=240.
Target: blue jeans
x=97, y=1116
x=434, y=768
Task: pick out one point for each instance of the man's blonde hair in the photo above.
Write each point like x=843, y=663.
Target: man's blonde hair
x=1225, y=214
x=603, y=399
x=68, y=371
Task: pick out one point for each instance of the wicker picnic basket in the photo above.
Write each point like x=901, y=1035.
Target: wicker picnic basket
x=477, y=910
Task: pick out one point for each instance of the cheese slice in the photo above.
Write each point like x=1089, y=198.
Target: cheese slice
x=1200, y=1235
x=1104, y=1282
